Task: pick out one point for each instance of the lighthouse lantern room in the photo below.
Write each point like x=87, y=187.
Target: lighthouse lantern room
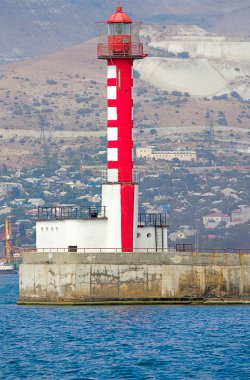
x=116, y=225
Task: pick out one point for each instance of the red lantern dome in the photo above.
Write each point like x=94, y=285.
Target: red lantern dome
x=119, y=16
x=120, y=38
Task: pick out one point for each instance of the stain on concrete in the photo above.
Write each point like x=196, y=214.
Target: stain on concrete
x=134, y=276
x=189, y=284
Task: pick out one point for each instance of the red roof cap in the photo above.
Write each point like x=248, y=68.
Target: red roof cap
x=119, y=16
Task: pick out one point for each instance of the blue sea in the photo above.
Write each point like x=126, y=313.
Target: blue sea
x=122, y=342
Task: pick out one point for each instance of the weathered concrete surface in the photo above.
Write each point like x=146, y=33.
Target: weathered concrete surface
x=80, y=278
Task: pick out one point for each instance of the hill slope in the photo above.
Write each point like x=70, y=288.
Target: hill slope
x=29, y=28
x=66, y=93
x=68, y=87
x=191, y=60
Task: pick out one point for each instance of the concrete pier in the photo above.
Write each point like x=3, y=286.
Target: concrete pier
x=134, y=278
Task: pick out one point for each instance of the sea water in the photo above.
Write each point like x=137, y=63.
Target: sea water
x=121, y=342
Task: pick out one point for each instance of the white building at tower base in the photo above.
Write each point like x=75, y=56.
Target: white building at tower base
x=98, y=228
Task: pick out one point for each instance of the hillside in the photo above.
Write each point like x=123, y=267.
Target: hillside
x=189, y=59
x=31, y=28
x=61, y=97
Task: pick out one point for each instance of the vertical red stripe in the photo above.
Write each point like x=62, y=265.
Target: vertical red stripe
x=127, y=216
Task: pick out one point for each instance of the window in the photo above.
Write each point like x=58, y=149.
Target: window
x=149, y=235
x=72, y=248
x=119, y=29
x=138, y=234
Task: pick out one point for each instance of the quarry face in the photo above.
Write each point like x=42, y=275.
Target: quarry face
x=189, y=59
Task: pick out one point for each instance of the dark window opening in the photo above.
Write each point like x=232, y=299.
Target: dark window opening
x=72, y=248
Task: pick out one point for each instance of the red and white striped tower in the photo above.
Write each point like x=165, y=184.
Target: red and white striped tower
x=120, y=47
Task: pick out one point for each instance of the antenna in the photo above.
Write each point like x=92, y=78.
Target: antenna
x=197, y=235
x=42, y=125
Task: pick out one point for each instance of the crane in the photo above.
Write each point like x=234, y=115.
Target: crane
x=8, y=241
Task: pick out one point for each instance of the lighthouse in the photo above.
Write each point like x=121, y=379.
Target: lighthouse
x=120, y=49
x=115, y=226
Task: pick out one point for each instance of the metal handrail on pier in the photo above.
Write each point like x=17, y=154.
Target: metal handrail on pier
x=137, y=250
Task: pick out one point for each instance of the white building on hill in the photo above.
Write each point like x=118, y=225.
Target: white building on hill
x=169, y=155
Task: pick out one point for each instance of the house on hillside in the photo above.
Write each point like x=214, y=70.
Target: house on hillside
x=228, y=192
x=237, y=216
x=36, y=202
x=212, y=220
x=181, y=155
x=6, y=187
x=241, y=214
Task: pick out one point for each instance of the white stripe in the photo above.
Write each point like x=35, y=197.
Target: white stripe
x=113, y=134
x=112, y=154
x=111, y=92
x=111, y=74
x=112, y=175
x=112, y=113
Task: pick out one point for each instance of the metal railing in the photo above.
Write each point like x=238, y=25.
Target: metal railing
x=152, y=220
x=185, y=247
x=136, y=250
x=93, y=250
x=111, y=178
x=71, y=212
x=222, y=250
x=119, y=50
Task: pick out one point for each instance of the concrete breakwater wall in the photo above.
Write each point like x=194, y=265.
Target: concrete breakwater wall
x=80, y=278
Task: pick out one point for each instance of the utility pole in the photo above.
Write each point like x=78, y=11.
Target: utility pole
x=42, y=125
x=197, y=234
x=209, y=128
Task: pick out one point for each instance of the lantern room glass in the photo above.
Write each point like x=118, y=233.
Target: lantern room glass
x=119, y=40
x=119, y=29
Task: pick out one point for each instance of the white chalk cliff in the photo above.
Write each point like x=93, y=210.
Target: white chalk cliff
x=215, y=64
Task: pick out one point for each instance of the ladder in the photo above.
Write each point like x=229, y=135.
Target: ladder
x=159, y=239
